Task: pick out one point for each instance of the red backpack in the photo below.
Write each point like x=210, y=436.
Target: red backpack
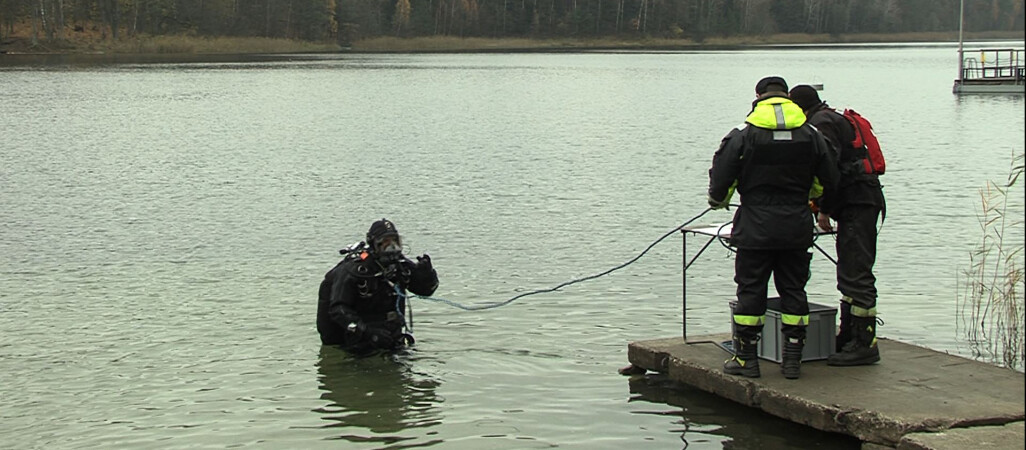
x=873, y=160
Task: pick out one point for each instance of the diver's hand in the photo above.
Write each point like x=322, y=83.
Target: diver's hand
x=823, y=220
x=380, y=337
x=356, y=328
x=424, y=262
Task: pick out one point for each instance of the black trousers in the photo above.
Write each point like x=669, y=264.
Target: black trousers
x=856, y=254
x=790, y=270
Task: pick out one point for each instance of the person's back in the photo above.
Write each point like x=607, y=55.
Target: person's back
x=773, y=161
x=855, y=187
x=331, y=332
x=856, y=205
x=774, y=158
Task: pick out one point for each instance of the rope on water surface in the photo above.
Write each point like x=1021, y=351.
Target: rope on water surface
x=564, y=284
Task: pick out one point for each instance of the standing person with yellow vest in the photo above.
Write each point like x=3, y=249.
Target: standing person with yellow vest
x=773, y=161
x=856, y=206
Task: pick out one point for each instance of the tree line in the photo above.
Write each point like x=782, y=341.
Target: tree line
x=345, y=21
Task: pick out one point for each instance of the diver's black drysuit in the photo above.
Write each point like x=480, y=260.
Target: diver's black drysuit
x=362, y=300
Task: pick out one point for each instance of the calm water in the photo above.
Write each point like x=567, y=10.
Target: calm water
x=164, y=228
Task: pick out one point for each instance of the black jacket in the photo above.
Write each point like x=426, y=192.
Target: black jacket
x=855, y=187
x=773, y=158
x=360, y=290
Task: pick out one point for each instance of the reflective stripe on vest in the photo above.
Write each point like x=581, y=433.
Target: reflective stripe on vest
x=778, y=112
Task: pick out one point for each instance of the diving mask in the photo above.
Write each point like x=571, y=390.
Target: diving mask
x=390, y=246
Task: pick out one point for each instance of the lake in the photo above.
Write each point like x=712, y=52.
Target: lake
x=165, y=226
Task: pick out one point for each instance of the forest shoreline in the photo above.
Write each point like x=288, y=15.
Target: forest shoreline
x=184, y=44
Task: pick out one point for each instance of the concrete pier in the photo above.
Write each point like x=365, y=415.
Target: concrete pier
x=914, y=399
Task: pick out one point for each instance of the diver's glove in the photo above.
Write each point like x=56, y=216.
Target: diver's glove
x=424, y=262
x=380, y=337
x=356, y=329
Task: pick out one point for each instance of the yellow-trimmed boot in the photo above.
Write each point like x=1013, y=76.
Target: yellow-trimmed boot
x=745, y=361
x=861, y=350
x=791, y=363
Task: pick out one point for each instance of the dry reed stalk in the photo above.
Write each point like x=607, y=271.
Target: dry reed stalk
x=991, y=313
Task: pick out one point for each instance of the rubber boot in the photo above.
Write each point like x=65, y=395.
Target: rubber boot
x=844, y=330
x=791, y=364
x=862, y=349
x=746, y=359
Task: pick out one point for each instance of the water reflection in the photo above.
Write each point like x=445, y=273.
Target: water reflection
x=706, y=419
x=375, y=399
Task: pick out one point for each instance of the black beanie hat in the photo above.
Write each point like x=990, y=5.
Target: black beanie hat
x=380, y=229
x=805, y=96
x=764, y=84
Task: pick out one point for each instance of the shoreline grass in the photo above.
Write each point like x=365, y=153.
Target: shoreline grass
x=91, y=43
x=202, y=45
x=456, y=44
x=176, y=44
x=991, y=311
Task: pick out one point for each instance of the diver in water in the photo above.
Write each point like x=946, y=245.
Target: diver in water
x=362, y=300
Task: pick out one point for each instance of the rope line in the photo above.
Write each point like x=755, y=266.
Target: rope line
x=564, y=284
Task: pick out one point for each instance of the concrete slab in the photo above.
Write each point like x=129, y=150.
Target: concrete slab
x=1003, y=437
x=913, y=389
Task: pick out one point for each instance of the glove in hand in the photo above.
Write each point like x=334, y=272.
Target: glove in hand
x=380, y=337
x=424, y=262
x=716, y=204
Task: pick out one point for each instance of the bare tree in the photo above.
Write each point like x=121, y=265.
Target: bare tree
x=640, y=21
x=1015, y=14
x=813, y=16
x=401, y=18
x=58, y=14
x=111, y=13
x=619, y=15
